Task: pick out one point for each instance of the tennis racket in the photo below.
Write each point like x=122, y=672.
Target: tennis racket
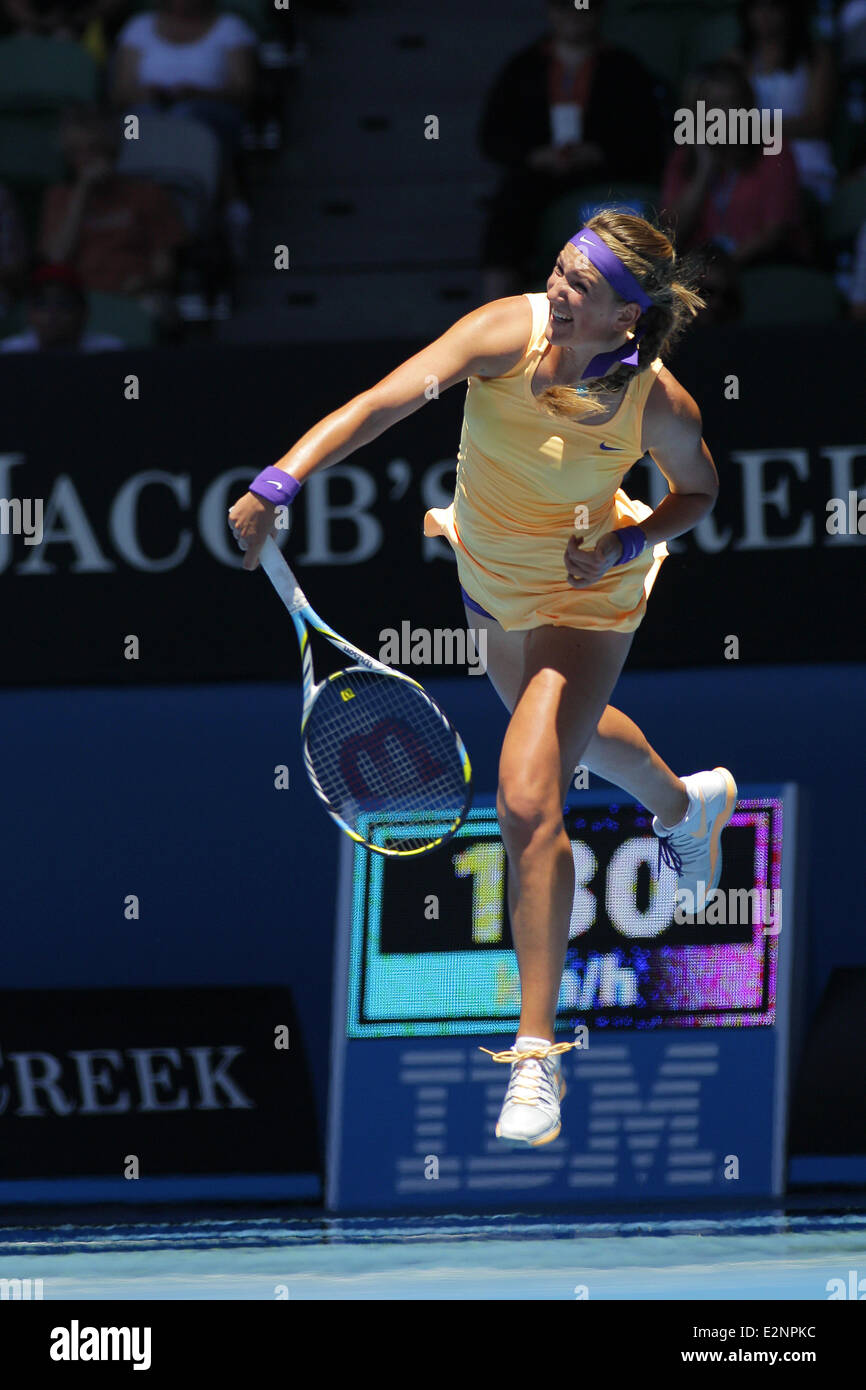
x=373, y=740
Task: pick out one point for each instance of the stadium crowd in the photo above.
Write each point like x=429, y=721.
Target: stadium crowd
x=127, y=131
x=574, y=118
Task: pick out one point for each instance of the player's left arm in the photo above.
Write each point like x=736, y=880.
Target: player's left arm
x=672, y=437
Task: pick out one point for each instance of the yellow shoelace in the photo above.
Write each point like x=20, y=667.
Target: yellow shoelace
x=512, y=1055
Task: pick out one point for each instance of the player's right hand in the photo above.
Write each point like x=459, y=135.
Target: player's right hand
x=252, y=520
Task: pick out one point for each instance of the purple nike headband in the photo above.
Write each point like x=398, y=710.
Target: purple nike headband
x=620, y=278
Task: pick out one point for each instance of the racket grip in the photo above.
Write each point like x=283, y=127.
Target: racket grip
x=282, y=578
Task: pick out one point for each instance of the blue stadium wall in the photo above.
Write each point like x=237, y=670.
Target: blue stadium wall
x=168, y=793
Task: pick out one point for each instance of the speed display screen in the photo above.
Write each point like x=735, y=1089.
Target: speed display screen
x=432, y=952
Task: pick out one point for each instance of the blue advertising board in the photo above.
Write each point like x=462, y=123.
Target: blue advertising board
x=678, y=1081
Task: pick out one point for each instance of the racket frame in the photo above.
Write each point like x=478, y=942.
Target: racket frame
x=304, y=617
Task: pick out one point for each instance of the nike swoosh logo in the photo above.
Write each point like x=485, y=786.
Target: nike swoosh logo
x=611, y=448
x=279, y=485
x=702, y=828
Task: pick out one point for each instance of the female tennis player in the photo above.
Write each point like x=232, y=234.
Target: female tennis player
x=566, y=390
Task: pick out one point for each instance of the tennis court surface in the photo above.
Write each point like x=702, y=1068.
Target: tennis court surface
x=769, y=1254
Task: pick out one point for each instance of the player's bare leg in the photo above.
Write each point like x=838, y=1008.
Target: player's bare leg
x=541, y=879
x=617, y=751
x=568, y=676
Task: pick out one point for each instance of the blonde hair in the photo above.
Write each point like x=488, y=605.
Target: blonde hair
x=649, y=254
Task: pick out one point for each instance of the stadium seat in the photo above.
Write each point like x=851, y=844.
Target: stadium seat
x=30, y=149
x=257, y=13
x=848, y=129
x=630, y=197
x=846, y=211
x=112, y=313
x=45, y=74
x=184, y=157
x=711, y=38
x=38, y=77
x=708, y=7
x=13, y=321
x=656, y=35
x=789, y=294
x=672, y=37
x=109, y=313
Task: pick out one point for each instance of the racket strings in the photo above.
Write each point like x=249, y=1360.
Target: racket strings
x=375, y=742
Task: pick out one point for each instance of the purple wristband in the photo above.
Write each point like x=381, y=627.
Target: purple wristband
x=633, y=541
x=275, y=485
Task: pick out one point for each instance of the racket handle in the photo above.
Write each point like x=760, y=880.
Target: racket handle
x=278, y=572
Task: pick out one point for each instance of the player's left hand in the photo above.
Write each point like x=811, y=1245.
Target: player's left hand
x=585, y=567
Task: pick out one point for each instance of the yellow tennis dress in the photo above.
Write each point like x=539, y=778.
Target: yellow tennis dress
x=521, y=473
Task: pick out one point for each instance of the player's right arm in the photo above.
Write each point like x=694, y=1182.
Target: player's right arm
x=487, y=342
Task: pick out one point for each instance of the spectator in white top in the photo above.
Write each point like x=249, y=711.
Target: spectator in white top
x=791, y=69
x=190, y=60
x=187, y=55
x=57, y=313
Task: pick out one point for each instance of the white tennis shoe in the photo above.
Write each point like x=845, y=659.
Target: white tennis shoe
x=530, y=1111
x=692, y=848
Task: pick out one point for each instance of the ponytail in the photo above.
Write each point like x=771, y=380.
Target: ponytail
x=650, y=256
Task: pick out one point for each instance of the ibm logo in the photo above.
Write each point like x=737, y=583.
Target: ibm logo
x=635, y=1122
